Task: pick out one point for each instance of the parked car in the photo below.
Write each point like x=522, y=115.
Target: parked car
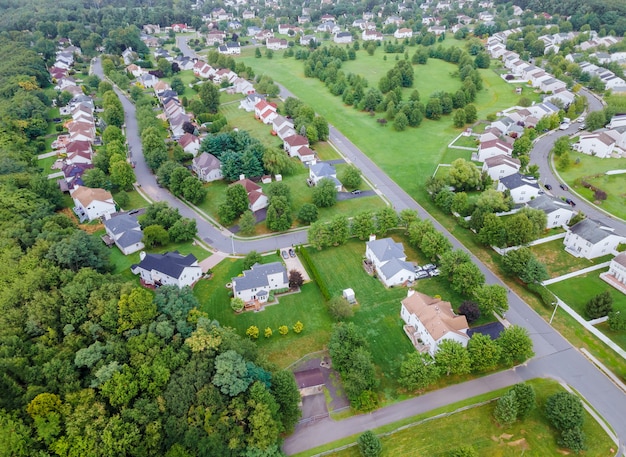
x=417, y=268
x=563, y=186
x=434, y=272
x=582, y=127
x=548, y=186
x=292, y=253
x=284, y=254
x=356, y=192
x=570, y=202
x=421, y=275
x=429, y=266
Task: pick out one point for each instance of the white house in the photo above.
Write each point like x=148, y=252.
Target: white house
x=124, y=230
x=248, y=103
x=501, y=166
x=598, y=144
x=323, y=170
x=257, y=282
x=169, y=269
x=430, y=321
x=389, y=261
x=256, y=198
x=403, y=33
x=207, y=167
x=190, y=143
x=292, y=143
x=617, y=272
x=493, y=148
x=265, y=112
x=343, y=37
x=90, y=204
x=558, y=213
x=276, y=44
x=591, y=239
x=619, y=120
x=371, y=35
x=522, y=188
x=283, y=127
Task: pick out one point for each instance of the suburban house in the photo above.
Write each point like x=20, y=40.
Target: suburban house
x=323, y=170
x=403, y=33
x=493, y=148
x=169, y=269
x=190, y=143
x=598, y=144
x=501, y=166
x=90, y=204
x=590, y=239
x=558, y=213
x=207, y=167
x=522, y=188
x=276, y=44
x=72, y=175
x=430, y=321
x=616, y=276
x=389, y=261
x=124, y=230
x=265, y=111
x=371, y=35
x=343, y=37
x=283, y=127
x=147, y=80
x=249, y=102
x=257, y=282
x=203, y=70
x=292, y=144
x=257, y=199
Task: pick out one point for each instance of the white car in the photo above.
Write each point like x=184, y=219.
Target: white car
x=434, y=272
x=421, y=274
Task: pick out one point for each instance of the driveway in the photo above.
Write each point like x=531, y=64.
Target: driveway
x=341, y=196
x=293, y=263
x=314, y=405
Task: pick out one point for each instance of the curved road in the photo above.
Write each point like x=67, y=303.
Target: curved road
x=555, y=357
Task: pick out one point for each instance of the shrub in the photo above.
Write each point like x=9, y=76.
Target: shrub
x=237, y=304
x=463, y=451
x=298, y=327
x=268, y=332
x=369, y=444
x=253, y=332
x=565, y=411
x=283, y=329
x=339, y=308
x=547, y=297
x=525, y=397
x=470, y=310
x=506, y=409
x=304, y=255
x=573, y=439
x=600, y=305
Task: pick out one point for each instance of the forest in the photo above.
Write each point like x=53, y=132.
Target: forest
x=90, y=363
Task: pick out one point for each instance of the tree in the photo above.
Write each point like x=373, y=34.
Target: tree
x=434, y=244
x=96, y=178
x=307, y=213
x=247, y=223
x=237, y=198
x=459, y=118
x=193, y=190
x=275, y=161
x=351, y=177
x=325, y=193
x=295, y=279
x=79, y=250
x=279, y=189
x=339, y=308
x=525, y=398
x=369, y=444
x=595, y=120
x=451, y=261
x=210, y=96
x=278, y=217
x=484, y=352
x=522, y=146
x=231, y=373
x=177, y=85
x=523, y=264
x=573, y=439
x=470, y=310
x=135, y=309
x=184, y=229
x=386, y=219
x=464, y=175
x=467, y=278
x=434, y=109
x=493, y=231
x=452, y=358
x=287, y=396
x=565, y=411
x=400, y=122
x=600, y=305
x=155, y=235
x=363, y=225
x=250, y=259
x=418, y=371
x=505, y=411
x=517, y=347
x=319, y=235
x=491, y=298
x=122, y=175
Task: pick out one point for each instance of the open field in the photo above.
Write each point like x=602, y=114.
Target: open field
x=476, y=427
x=558, y=262
x=592, y=169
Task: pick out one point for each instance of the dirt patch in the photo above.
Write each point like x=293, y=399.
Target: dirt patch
x=563, y=452
x=519, y=443
x=506, y=436
x=495, y=439
x=89, y=228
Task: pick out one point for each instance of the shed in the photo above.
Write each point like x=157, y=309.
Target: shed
x=310, y=382
x=348, y=294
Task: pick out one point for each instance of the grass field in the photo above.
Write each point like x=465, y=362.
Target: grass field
x=558, y=262
x=135, y=200
x=476, y=427
x=592, y=170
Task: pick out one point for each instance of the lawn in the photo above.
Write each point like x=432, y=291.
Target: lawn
x=186, y=77
x=466, y=141
x=46, y=165
x=592, y=169
x=135, y=200
x=306, y=307
x=558, y=262
x=244, y=120
x=476, y=427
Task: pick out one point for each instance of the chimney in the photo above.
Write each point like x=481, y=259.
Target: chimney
x=410, y=292
x=242, y=177
x=142, y=255
x=372, y=237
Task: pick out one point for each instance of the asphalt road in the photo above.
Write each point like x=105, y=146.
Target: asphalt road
x=555, y=357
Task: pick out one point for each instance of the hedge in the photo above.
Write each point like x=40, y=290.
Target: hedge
x=547, y=297
x=304, y=254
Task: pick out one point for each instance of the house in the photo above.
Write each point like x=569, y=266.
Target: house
x=231, y=48
x=276, y=44
x=403, y=33
x=190, y=143
x=493, y=148
x=310, y=382
x=590, y=239
x=215, y=37
x=241, y=86
x=430, y=321
x=281, y=125
x=124, y=230
x=203, y=70
x=257, y=282
x=292, y=143
x=129, y=56
x=265, y=111
x=389, y=261
x=501, y=166
x=90, y=204
x=147, y=80
x=306, y=155
x=323, y=170
x=616, y=276
x=134, y=70
x=207, y=167
x=618, y=120
x=250, y=101
x=72, y=175
x=558, y=213
x=599, y=144
x=522, y=188
x=169, y=269
x=343, y=37
x=308, y=40
x=371, y=35
x=178, y=28
x=437, y=29
x=256, y=198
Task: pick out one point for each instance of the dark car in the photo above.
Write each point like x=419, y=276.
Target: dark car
x=570, y=202
x=563, y=186
x=292, y=253
x=548, y=186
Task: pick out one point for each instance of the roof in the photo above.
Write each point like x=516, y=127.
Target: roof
x=323, y=169
x=502, y=159
x=497, y=144
x=207, y=161
x=171, y=263
x=187, y=139
x=256, y=276
x=591, y=230
x=517, y=180
x=121, y=223
x=386, y=249
x=296, y=140
x=394, y=266
x=620, y=258
x=435, y=315
x=250, y=186
x=548, y=204
x=86, y=195
x=309, y=378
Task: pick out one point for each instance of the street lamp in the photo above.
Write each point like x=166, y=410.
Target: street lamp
x=556, y=305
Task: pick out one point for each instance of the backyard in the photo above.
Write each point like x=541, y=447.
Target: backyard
x=558, y=262
x=476, y=427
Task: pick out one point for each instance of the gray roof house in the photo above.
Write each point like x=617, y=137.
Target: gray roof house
x=522, y=188
x=169, y=269
x=558, y=213
x=590, y=239
x=207, y=167
x=322, y=170
x=124, y=230
x=257, y=282
x=389, y=261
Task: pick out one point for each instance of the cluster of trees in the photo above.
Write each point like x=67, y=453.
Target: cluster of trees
x=523, y=264
x=113, y=112
x=482, y=354
x=401, y=75
x=515, y=404
x=279, y=216
x=218, y=60
x=208, y=100
x=306, y=122
x=566, y=413
x=238, y=152
x=351, y=357
x=181, y=182
x=266, y=85
x=235, y=204
x=521, y=228
x=161, y=224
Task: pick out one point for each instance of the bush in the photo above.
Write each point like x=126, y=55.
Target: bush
x=600, y=305
x=506, y=409
x=463, y=451
x=298, y=327
x=573, y=439
x=470, y=310
x=237, y=304
x=547, y=298
x=565, y=411
x=283, y=329
x=525, y=397
x=339, y=308
x=304, y=255
x=253, y=332
x=369, y=444
x=268, y=332
x=617, y=321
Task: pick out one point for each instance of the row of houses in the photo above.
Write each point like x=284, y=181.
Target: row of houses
x=611, y=80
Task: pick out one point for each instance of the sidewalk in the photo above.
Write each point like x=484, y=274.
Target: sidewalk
x=576, y=273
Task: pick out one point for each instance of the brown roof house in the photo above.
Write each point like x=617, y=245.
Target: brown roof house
x=429, y=321
x=207, y=167
x=258, y=200
x=90, y=204
x=310, y=382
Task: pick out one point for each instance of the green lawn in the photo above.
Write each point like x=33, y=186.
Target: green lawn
x=46, y=164
x=245, y=121
x=558, y=262
x=306, y=307
x=466, y=141
x=187, y=77
x=476, y=427
x=592, y=169
x=135, y=200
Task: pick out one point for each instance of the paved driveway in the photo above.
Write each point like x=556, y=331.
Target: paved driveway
x=293, y=263
x=350, y=196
